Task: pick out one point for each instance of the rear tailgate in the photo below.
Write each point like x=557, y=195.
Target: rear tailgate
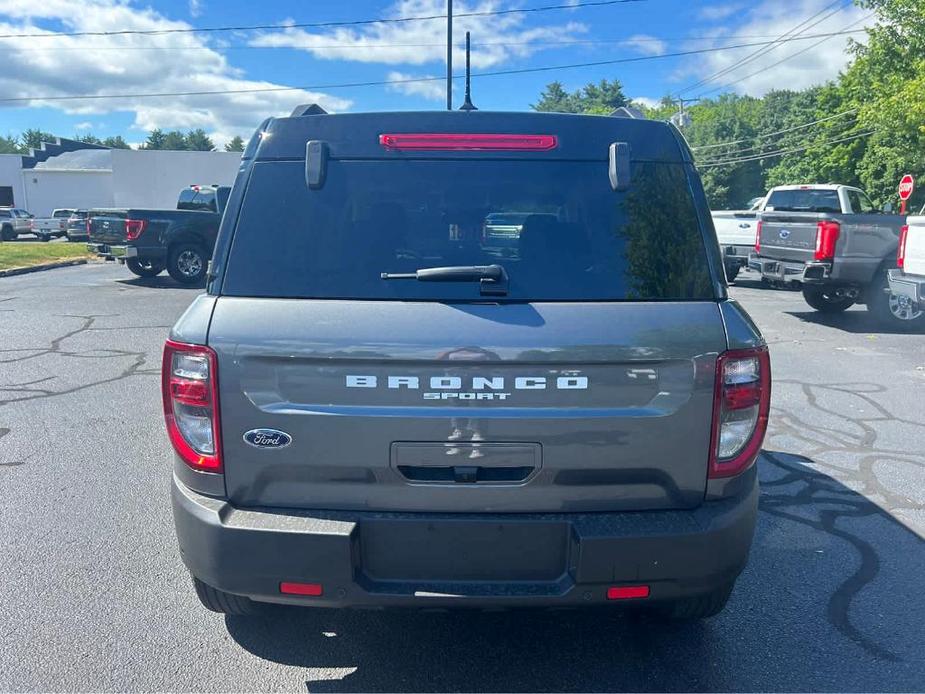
x=789, y=236
x=735, y=228
x=915, y=247
x=108, y=226
x=494, y=407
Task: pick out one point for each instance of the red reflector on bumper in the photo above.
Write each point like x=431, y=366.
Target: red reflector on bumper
x=627, y=592
x=313, y=589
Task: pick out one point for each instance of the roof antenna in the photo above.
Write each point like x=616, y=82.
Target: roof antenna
x=467, y=104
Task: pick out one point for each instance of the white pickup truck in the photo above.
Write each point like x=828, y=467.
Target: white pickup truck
x=907, y=283
x=735, y=232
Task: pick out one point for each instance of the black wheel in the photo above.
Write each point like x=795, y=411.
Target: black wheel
x=701, y=606
x=44, y=238
x=892, y=311
x=144, y=268
x=732, y=271
x=7, y=233
x=187, y=263
x=219, y=601
x=826, y=300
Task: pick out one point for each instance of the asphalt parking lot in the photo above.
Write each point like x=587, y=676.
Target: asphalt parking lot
x=93, y=595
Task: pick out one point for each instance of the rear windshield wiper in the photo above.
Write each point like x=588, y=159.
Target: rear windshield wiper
x=492, y=279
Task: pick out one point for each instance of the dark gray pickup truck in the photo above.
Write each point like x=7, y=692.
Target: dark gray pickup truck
x=148, y=241
x=835, y=243
x=466, y=359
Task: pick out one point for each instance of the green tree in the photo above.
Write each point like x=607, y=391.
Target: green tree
x=33, y=138
x=116, y=142
x=175, y=140
x=236, y=144
x=89, y=139
x=197, y=140
x=155, y=140
x=555, y=99
x=10, y=145
x=603, y=97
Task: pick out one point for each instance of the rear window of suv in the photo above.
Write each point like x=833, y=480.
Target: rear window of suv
x=557, y=227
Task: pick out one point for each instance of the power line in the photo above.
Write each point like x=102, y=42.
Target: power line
x=786, y=58
x=776, y=132
x=321, y=25
x=768, y=155
x=767, y=49
x=373, y=83
x=419, y=45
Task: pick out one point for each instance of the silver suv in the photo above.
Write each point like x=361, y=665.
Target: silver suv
x=466, y=359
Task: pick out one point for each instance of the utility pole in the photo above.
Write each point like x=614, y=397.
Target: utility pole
x=449, y=55
x=681, y=119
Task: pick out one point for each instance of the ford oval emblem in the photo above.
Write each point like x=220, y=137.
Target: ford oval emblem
x=784, y=233
x=267, y=438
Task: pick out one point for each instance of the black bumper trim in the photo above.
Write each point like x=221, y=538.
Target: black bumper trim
x=249, y=552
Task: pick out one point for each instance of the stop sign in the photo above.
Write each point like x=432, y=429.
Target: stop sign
x=906, y=186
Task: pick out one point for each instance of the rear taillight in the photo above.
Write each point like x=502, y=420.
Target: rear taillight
x=423, y=142
x=741, y=404
x=134, y=228
x=190, y=388
x=826, y=237
x=88, y=226
x=901, y=251
x=758, y=238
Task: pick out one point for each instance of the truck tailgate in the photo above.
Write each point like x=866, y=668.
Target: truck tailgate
x=482, y=411
x=108, y=226
x=915, y=247
x=789, y=236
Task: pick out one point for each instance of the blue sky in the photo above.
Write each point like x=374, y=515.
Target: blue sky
x=243, y=60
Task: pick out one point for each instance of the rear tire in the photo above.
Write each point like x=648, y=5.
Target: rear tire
x=224, y=603
x=732, y=271
x=824, y=299
x=891, y=311
x=701, y=606
x=7, y=234
x=144, y=268
x=187, y=263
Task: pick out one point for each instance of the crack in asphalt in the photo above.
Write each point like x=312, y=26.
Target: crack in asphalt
x=830, y=504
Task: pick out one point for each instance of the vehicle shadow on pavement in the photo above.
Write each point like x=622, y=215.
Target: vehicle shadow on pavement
x=159, y=282
x=830, y=600
x=858, y=322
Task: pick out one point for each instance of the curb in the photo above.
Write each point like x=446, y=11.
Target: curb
x=38, y=268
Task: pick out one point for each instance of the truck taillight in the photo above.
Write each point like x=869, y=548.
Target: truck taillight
x=758, y=238
x=88, y=226
x=826, y=237
x=901, y=251
x=134, y=228
x=741, y=403
x=189, y=380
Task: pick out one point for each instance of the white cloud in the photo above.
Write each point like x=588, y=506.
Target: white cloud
x=647, y=45
x=497, y=38
x=646, y=101
x=815, y=66
x=195, y=8
x=717, y=13
x=83, y=125
x=101, y=65
x=434, y=90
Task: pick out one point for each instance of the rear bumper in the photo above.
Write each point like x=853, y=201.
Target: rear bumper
x=792, y=271
x=368, y=559
x=107, y=251
x=736, y=255
x=910, y=286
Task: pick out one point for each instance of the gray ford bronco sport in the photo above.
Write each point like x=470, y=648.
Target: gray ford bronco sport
x=466, y=359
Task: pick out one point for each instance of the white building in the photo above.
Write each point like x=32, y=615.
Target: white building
x=102, y=177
